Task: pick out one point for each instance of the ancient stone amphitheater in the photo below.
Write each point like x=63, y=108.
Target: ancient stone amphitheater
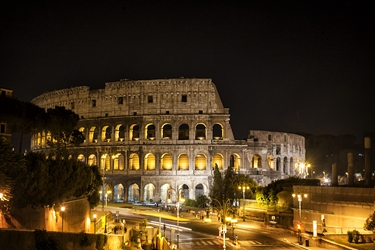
x=155, y=140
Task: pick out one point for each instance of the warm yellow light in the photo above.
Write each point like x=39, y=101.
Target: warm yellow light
x=94, y=216
x=62, y=209
x=294, y=195
x=228, y=218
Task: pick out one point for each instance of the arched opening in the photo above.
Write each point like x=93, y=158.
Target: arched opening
x=118, y=162
x=200, y=132
x=217, y=132
x=166, y=162
x=200, y=162
x=92, y=160
x=105, y=162
x=183, y=132
x=218, y=160
x=134, y=132
x=119, y=193
x=185, y=191
x=166, y=131
x=199, y=190
x=106, y=134
x=134, y=162
x=285, y=165
x=271, y=162
x=105, y=196
x=133, y=193
x=183, y=162
x=149, y=193
x=149, y=163
x=119, y=133
x=257, y=163
x=278, y=163
x=150, y=132
x=164, y=194
x=236, y=162
x=81, y=158
x=93, y=134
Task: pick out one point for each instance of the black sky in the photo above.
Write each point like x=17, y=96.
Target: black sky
x=294, y=66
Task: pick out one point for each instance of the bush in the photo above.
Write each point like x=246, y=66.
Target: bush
x=350, y=236
x=356, y=236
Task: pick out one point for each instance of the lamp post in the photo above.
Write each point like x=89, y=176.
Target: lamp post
x=223, y=207
x=243, y=197
x=179, y=199
x=62, y=209
x=299, y=197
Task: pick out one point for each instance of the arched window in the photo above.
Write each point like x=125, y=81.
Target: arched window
x=150, y=132
x=118, y=162
x=183, y=132
x=219, y=160
x=93, y=134
x=200, y=162
x=120, y=133
x=105, y=162
x=81, y=158
x=106, y=134
x=200, y=132
x=92, y=160
x=149, y=163
x=166, y=162
x=166, y=131
x=134, y=162
x=134, y=132
x=217, y=132
x=183, y=162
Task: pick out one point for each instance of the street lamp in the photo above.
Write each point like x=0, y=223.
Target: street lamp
x=62, y=209
x=225, y=219
x=179, y=199
x=243, y=197
x=299, y=197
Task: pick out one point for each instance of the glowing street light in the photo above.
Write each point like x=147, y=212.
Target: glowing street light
x=299, y=197
x=62, y=209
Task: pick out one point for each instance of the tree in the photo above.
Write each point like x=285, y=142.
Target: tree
x=370, y=222
x=22, y=117
x=216, y=191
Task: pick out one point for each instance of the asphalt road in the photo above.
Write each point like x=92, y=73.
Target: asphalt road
x=197, y=235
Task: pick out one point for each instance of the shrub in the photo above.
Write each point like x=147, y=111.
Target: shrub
x=356, y=236
x=350, y=236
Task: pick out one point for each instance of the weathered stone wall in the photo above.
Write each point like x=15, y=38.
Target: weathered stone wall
x=151, y=135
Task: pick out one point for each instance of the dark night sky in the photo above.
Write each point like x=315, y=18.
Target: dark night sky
x=293, y=66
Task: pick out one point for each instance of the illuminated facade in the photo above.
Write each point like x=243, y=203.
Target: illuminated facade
x=150, y=136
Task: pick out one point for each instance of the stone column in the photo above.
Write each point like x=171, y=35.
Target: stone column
x=334, y=174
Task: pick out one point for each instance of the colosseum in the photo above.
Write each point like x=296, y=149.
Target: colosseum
x=153, y=136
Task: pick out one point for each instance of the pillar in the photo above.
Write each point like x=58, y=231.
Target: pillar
x=334, y=174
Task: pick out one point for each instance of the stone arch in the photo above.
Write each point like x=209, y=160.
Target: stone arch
x=185, y=191
x=291, y=166
x=217, y=131
x=119, y=132
x=150, y=131
x=285, y=165
x=200, y=131
x=118, y=162
x=200, y=162
x=118, y=193
x=149, y=193
x=134, y=162
x=166, y=131
x=219, y=160
x=105, y=162
x=199, y=189
x=133, y=193
x=164, y=195
x=134, y=132
x=183, y=162
x=236, y=161
x=257, y=161
x=149, y=162
x=278, y=164
x=183, y=132
x=166, y=162
x=92, y=160
x=93, y=134
x=106, y=133
x=271, y=162
x=105, y=192
x=81, y=158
